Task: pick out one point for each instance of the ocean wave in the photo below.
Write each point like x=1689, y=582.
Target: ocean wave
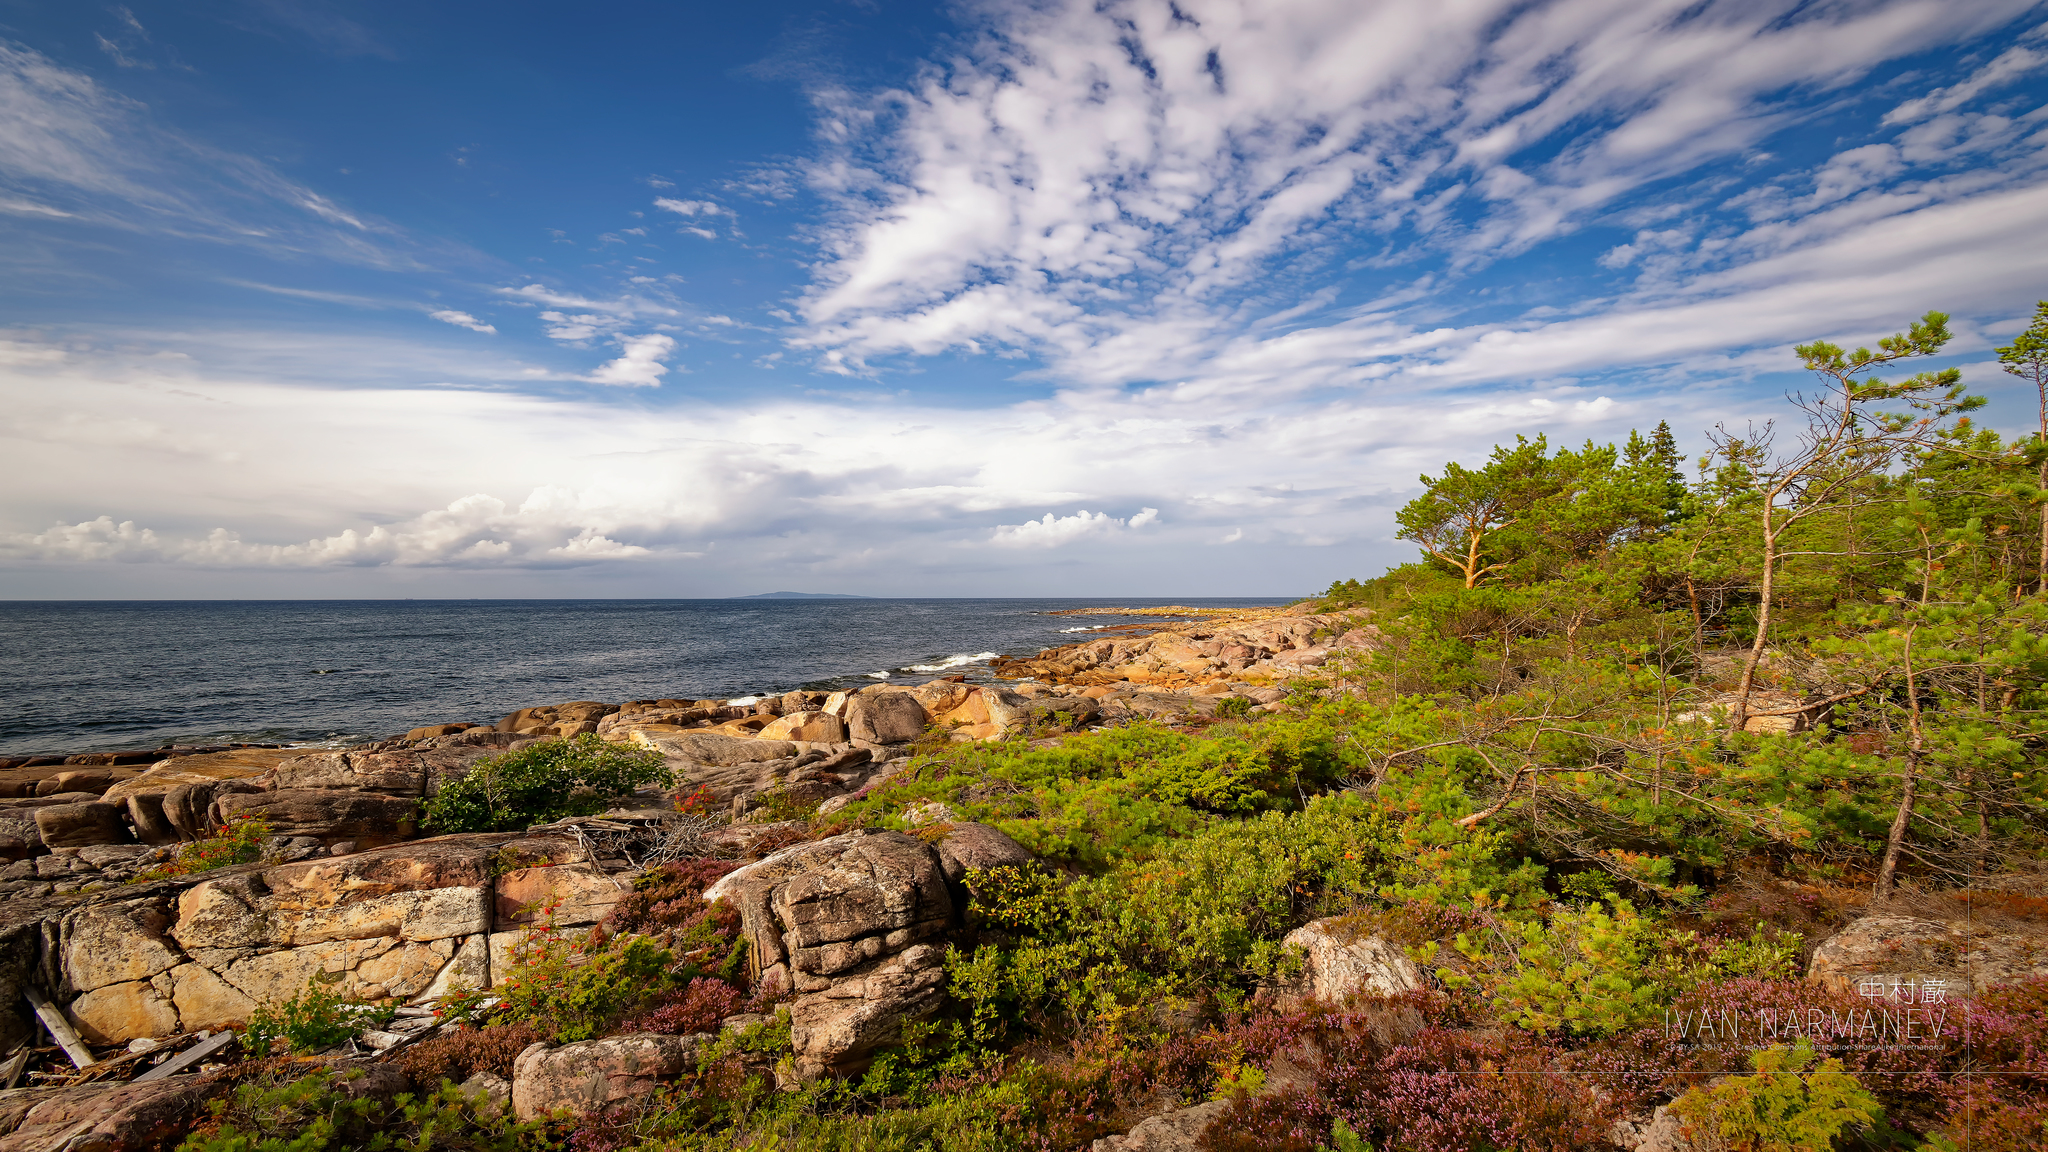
x=879, y=675
x=953, y=661
x=1089, y=628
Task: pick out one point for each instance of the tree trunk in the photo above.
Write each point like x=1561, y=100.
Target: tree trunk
x=2042, y=384
x=1699, y=626
x=1895, y=842
x=1739, y=715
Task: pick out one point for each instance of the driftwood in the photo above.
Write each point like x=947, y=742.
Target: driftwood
x=60, y=1029
x=188, y=1057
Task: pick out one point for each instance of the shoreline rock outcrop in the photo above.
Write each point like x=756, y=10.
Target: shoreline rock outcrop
x=852, y=929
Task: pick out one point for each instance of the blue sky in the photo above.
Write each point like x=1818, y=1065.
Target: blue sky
x=323, y=298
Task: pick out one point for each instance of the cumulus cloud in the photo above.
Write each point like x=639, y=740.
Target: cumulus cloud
x=476, y=531
x=641, y=366
x=1054, y=531
x=462, y=320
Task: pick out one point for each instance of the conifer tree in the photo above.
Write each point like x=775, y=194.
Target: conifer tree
x=1846, y=441
x=2027, y=358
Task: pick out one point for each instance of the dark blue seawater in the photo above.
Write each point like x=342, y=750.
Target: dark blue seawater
x=86, y=676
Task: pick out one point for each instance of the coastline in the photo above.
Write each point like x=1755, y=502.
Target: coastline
x=90, y=678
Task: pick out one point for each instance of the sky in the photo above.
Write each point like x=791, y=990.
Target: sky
x=324, y=298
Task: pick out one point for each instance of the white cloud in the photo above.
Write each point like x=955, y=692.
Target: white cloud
x=30, y=208
x=476, y=531
x=641, y=366
x=1619, y=256
x=462, y=320
x=562, y=326
x=1055, y=531
x=74, y=149
x=2010, y=65
x=692, y=208
x=594, y=317
x=1103, y=184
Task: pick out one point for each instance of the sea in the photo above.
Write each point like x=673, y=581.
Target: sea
x=103, y=676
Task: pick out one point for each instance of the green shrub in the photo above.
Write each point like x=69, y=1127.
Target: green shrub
x=779, y=805
x=1781, y=1107
x=240, y=842
x=1231, y=706
x=541, y=782
x=570, y=986
x=1101, y=797
x=1200, y=917
x=1343, y=1139
x=313, y=1021
x=316, y=1113
x=1582, y=972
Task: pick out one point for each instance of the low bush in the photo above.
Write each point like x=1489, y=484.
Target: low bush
x=468, y=1051
x=318, y=1113
x=1100, y=797
x=696, y=1008
x=543, y=781
x=237, y=842
x=313, y=1021
x=1781, y=1107
x=1442, y=1091
x=569, y=985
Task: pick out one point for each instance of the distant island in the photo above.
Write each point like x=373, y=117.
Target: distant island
x=801, y=596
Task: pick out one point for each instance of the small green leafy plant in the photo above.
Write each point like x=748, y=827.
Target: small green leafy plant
x=570, y=986
x=1342, y=1138
x=541, y=782
x=313, y=1021
x=237, y=842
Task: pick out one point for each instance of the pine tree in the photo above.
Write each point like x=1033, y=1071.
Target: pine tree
x=1664, y=451
x=1845, y=441
x=2027, y=358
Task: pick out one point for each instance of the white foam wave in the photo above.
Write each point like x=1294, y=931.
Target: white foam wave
x=879, y=675
x=1088, y=628
x=953, y=661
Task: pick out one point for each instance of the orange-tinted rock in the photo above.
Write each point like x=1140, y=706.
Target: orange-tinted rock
x=77, y=825
x=578, y=894
x=325, y=814
x=204, y=768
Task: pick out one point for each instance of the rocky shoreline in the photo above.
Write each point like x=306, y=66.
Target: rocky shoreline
x=68, y=822
x=93, y=942
x=123, y=988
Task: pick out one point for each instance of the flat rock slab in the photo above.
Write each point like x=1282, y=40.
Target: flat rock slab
x=112, y=1118
x=204, y=768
